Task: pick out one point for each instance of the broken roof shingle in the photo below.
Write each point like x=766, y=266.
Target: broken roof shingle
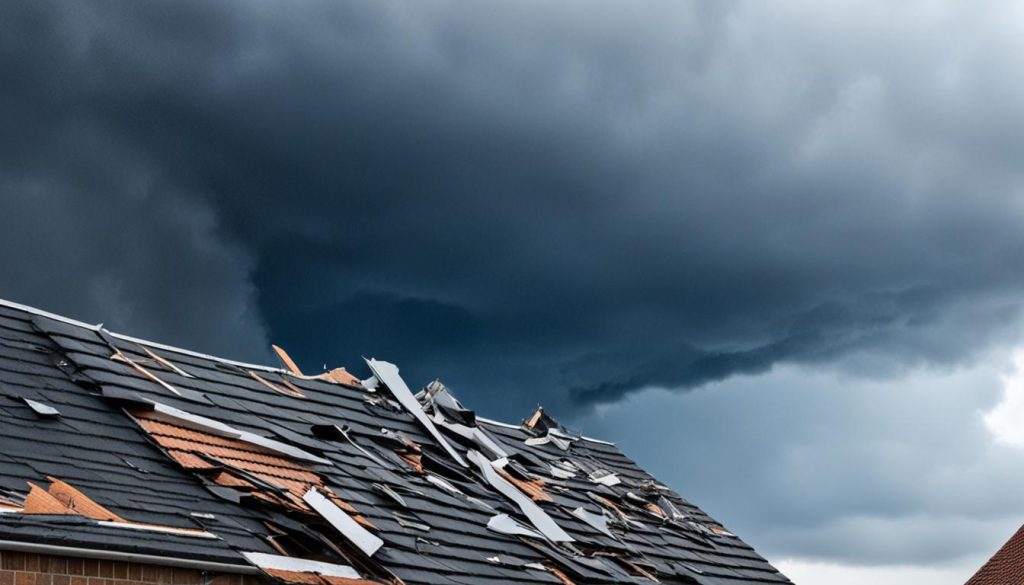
x=398, y=478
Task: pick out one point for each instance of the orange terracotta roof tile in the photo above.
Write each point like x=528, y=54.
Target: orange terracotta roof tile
x=339, y=376
x=286, y=360
x=184, y=446
x=63, y=499
x=228, y=479
x=415, y=460
x=189, y=461
x=656, y=510
x=158, y=427
x=532, y=421
x=1006, y=567
x=277, y=471
x=219, y=452
x=39, y=501
x=295, y=576
x=534, y=488
x=80, y=503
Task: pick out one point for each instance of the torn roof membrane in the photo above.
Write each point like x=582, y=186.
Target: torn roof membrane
x=348, y=474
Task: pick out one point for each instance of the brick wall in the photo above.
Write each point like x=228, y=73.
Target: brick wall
x=17, y=568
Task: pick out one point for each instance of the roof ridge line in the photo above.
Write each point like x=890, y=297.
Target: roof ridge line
x=165, y=347
x=153, y=344
x=506, y=425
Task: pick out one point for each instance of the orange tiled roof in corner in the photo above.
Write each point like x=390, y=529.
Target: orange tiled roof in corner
x=1006, y=567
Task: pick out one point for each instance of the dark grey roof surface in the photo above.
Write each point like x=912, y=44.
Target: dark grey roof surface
x=95, y=446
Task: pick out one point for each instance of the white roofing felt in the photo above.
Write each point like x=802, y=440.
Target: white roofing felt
x=282, y=563
x=598, y=521
x=352, y=530
x=506, y=524
x=538, y=517
x=41, y=409
x=387, y=374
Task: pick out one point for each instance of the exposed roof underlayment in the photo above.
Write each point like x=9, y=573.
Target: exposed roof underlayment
x=113, y=443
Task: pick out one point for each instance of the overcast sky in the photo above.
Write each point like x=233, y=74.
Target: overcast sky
x=775, y=250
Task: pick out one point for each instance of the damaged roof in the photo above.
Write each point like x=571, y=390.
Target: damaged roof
x=117, y=444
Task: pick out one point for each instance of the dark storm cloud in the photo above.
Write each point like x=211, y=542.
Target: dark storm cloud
x=537, y=203
x=93, y=224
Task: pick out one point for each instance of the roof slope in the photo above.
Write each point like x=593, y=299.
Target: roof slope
x=1006, y=567
x=154, y=450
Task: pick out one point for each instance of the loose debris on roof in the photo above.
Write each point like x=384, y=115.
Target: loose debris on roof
x=323, y=479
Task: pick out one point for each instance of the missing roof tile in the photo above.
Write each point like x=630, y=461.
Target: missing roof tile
x=359, y=536
x=387, y=373
x=342, y=432
x=538, y=517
